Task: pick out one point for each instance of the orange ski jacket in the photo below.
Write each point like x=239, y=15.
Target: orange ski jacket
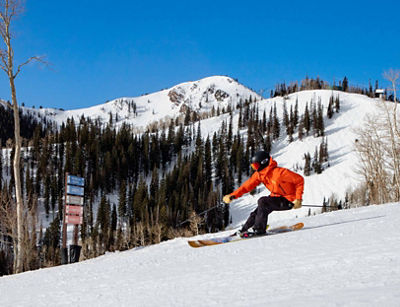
x=278, y=180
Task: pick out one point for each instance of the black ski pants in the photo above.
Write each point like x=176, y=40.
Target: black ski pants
x=258, y=219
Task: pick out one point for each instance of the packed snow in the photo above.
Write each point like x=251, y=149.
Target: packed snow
x=343, y=258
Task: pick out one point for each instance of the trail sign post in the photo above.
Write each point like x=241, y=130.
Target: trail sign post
x=73, y=214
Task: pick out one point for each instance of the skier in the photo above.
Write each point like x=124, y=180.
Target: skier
x=286, y=189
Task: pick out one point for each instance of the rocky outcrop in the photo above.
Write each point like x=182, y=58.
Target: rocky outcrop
x=220, y=95
x=176, y=96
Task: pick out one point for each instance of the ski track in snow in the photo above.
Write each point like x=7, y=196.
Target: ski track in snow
x=342, y=258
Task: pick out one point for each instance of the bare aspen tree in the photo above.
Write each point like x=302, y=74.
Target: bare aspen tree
x=195, y=222
x=393, y=76
x=8, y=219
x=9, y=10
x=374, y=160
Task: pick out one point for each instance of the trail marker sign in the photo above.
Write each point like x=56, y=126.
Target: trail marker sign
x=74, y=190
x=74, y=200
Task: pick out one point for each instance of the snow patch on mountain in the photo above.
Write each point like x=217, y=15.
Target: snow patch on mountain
x=138, y=112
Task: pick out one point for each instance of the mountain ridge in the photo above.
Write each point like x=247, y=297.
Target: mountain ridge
x=198, y=96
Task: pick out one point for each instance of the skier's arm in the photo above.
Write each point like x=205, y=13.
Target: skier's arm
x=247, y=186
x=297, y=180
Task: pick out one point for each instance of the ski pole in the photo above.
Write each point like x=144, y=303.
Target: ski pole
x=319, y=206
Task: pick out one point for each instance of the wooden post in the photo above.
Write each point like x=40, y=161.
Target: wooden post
x=64, y=233
x=76, y=235
x=64, y=250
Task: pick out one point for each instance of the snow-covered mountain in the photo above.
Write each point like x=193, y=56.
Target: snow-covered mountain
x=342, y=258
x=336, y=179
x=199, y=96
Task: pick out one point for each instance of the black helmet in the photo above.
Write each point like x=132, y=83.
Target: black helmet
x=260, y=160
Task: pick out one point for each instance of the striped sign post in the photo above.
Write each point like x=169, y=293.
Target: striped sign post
x=73, y=210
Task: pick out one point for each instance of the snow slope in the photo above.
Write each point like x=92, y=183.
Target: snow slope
x=343, y=258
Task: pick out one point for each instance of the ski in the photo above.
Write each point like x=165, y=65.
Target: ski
x=235, y=237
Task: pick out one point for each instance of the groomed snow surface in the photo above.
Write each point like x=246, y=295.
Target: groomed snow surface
x=342, y=258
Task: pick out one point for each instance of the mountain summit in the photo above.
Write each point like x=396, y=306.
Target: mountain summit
x=200, y=96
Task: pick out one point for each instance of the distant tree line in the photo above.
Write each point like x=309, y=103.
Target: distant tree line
x=29, y=125
x=283, y=89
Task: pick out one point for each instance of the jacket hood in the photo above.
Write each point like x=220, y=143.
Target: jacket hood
x=272, y=164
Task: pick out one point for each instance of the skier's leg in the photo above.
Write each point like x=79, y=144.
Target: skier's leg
x=250, y=221
x=266, y=205
x=261, y=219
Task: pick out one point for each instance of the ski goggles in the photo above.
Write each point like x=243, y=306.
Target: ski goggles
x=255, y=165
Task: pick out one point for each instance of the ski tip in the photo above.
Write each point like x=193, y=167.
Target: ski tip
x=194, y=244
x=297, y=226
x=209, y=242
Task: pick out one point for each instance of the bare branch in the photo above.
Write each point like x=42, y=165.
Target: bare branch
x=3, y=57
x=2, y=28
x=392, y=75
x=11, y=8
x=39, y=59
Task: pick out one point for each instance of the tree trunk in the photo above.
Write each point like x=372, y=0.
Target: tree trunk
x=17, y=176
x=17, y=160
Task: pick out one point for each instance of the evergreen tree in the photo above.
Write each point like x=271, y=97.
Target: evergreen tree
x=229, y=138
x=47, y=195
x=275, y=125
x=307, y=164
x=307, y=120
x=285, y=116
x=187, y=117
x=240, y=119
x=337, y=104
x=290, y=129
x=208, y=162
x=315, y=122
x=239, y=161
x=345, y=84
x=320, y=118
x=316, y=162
x=154, y=186
x=296, y=114
x=264, y=122
x=103, y=221
x=140, y=200
x=323, y=151
x=171, y=136
x=113, y=227
x=53, y=193
x=51, y=240
x=370, y=90
x=122, y=208
x=329, y=112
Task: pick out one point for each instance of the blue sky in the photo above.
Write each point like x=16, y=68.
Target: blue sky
x=101, y=50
